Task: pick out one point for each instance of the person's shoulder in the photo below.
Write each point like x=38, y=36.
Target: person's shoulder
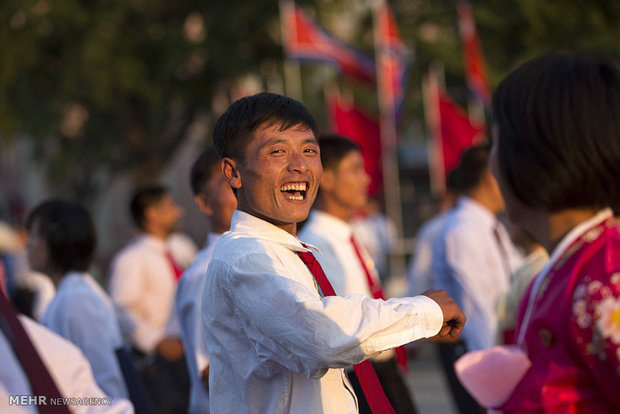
x=232, y=246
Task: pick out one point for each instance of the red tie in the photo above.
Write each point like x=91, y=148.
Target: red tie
x=366, y=375
x=39, y=378
x=377, y=293
x=174, y=265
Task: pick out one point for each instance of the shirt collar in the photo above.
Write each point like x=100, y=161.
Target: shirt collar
x=332, y=224
x=474, y=208
x=152, y=241
x=247, y=225
x=212, y=238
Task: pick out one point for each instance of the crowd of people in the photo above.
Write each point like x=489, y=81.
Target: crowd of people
x=283, y=310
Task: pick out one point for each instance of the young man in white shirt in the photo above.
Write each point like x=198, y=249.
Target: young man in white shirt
x=276, y=343
x=473, y=259
x=217, y=202
x=142, y=285
x=343, y=189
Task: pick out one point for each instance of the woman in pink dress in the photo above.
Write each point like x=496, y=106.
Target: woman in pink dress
x=556, y=157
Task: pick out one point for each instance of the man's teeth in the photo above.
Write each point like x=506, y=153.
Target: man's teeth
x=294, y=197
x=294, y=187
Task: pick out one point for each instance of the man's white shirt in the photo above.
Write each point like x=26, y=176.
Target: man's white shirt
x=82, y=313
x=468, y=263
x=67, y=366
x=275, y=345
x=142, y=287
x=187, y=304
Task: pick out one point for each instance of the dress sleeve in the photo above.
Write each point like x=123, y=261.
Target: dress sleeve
x=595, y=329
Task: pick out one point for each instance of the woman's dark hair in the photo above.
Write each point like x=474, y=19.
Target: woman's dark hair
x=235, y=127
x=68, y=231
x=558, y=126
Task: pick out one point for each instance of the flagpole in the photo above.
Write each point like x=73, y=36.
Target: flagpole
x=430, y=91
x=292, y=69
x=389, y=158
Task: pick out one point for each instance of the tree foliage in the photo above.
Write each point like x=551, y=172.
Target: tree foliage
x=102, y=86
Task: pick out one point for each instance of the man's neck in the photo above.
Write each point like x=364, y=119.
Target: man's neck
x=335, y=209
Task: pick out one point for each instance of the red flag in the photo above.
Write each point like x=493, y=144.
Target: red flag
x=457, y=132
x=348, y=120
x=450, y=129
x=474, y=64
x=304, y=39
x=392, y=62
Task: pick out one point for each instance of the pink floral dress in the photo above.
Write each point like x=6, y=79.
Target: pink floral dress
x=573, y=334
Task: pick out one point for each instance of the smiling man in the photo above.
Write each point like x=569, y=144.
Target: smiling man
x=278, y=338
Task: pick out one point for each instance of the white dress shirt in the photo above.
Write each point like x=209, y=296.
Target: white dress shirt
x=332, y=237
x=275, y=345
x=187, y=303
x=419, y=275
x=81, y=313
x=142, y=286
x=469, y=264
x=69, y=370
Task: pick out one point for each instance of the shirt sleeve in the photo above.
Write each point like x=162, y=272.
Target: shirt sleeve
x=595, y=330
x=126, y=286
x=290, y=324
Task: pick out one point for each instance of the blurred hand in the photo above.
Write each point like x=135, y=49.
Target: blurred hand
x=170, y=348
x=453, y=317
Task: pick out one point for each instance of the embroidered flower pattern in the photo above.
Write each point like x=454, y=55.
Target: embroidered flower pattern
x=609, y=321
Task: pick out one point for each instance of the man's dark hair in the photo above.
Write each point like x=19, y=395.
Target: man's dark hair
x=235, y=127
x=334, y=148
x=144, y=198
x=68, y=231
x=471, y=169
x=558, y=125
x=206, y=166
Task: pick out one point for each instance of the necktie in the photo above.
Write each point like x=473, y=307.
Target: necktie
x=366, y=375
x=377, y=293
x=174, y=265
x=39, y=378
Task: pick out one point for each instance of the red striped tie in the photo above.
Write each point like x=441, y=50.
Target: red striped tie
x=366, y=375
x=377, y=293
x=41, y=382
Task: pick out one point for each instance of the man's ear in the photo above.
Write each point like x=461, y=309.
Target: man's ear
x=231, y=172
x=203, y=204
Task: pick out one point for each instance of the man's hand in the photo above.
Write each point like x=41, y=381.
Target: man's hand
x=170, y=348
x=453, y=317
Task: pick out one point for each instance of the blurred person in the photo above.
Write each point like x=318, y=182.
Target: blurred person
x=473, y=261
x=535, y=260
x=558, y=115
x=217, y=202
x=61, y=244
x=278, y=336
x=377, y=232
x=40, y=366
x=142, y=284
x=419, y=276
x=343, y=189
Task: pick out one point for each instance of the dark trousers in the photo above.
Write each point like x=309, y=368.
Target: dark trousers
x=448, y=354
x=393, y=385
x=167, y=383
